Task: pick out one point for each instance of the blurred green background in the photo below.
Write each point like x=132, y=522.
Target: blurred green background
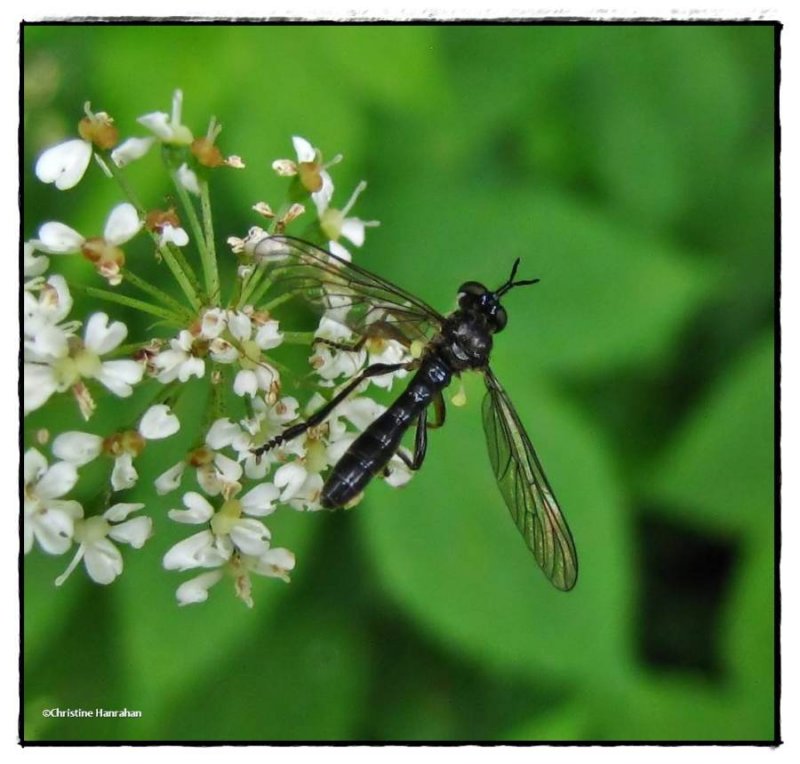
x=631, y=168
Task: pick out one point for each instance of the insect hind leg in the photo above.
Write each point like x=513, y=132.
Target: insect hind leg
x=420, y=446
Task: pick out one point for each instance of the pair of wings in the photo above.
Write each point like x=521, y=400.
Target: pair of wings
x=369, y=305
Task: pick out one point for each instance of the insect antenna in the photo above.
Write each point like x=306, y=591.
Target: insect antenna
x=511, y=283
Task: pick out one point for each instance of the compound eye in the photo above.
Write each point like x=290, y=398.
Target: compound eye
x=472, y=288
x=500, y=319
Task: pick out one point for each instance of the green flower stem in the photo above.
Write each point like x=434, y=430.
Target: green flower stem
x=176, y=308
x=180, y=268
x=210, y=259
x=255, y=279
x=131, y=302
x=272, y=304
x=191, y=213
x=298, y=338
x=119, y=176
x=258, y=293
x=182, y=272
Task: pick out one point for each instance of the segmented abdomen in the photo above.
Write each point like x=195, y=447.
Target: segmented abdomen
x=371, y=451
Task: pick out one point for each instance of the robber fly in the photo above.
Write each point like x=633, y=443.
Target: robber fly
x=371, y=307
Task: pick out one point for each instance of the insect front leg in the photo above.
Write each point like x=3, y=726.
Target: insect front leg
x=318, y=417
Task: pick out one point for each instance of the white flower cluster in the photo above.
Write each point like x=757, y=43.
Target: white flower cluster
x=224, y=341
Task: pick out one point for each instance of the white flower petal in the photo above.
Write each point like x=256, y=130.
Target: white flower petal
x=118, y=376
x=196, y=589
x=260, y=501
x=353, y=229
x=361, y=412
x=290, y=478
x=100, y=337
x=38, y=385
x=34, y=465
x=53, y=530
x=123, y=224
x=269, y=336
x=33, y=264
x=170, y=480
x=59, y=479
x=275, y=563
x=229, y=469
x=65, y=163
x=337, y=249
x=304, y=150
x=198, y=551
x=158, y=122
x=250, y=536
x=198, y=510
x=134, y=532
x=223, y=351
x=103, y=561
x=239, y=325
x=158, y=422
x=399, y=472
x=58, y=239
x=120, y=511
x=245, y=383
x=131, y=150
x=222, y=433
x=50, y=343
x=172, y=235
x=124, y=474
x=191, y=367
x=188, y=179
x=213, y=323
x=322, y=198
x=79, y=448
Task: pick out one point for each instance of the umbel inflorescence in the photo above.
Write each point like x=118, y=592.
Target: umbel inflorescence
x=200, y=330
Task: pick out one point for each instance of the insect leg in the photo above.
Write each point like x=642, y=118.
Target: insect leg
x=420, y=443
x=352, y=347
x=318, y=417
x=440, y=411
x=421, y=435
x=380, y=329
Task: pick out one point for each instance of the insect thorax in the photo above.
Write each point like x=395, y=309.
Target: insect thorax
x=466, y=341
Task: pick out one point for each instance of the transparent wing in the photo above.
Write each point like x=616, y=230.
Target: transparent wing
x=363, y=302
x=525, y=489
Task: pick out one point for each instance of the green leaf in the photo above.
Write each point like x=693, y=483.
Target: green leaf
x=662, y=102
x=749, y=639
x=678, y=708
x=718, y=473
x=567, y=722
x=46, y=607
x=299, y=673
x=447, y=550
x=398, y=67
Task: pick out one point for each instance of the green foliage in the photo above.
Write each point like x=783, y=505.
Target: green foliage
x=632, y=170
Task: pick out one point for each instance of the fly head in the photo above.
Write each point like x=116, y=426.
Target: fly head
x=475, y=298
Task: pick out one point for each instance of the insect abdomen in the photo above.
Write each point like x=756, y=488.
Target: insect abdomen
x=367, y=456
x=372, y=450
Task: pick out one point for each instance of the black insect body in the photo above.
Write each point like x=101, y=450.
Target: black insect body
x=461, y=341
